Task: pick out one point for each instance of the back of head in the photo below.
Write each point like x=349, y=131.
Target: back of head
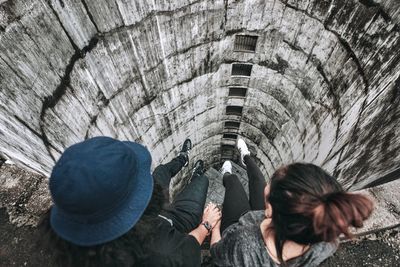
x=127, y=250
x=310, y=206
x=104, y=202
x=100, y=188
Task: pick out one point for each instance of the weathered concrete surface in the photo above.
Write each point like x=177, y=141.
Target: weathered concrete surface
x=324, y=87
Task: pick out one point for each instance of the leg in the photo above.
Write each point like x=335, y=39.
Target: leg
x=235, y=201
x=256, y=184
x=163, y=173
x=187, y=209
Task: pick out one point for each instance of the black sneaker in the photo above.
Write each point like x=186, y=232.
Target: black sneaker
x=198, y=168
x=186, y=147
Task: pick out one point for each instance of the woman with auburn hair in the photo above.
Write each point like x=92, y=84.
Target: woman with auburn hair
x=295, y=220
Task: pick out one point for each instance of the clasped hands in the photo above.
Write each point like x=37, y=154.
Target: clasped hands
x=212, y=214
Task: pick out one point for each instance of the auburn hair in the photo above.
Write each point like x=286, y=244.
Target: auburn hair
x=310, y=206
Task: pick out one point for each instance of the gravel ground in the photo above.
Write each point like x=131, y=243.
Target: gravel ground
x=378, y=250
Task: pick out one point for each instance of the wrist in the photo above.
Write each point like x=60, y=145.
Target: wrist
x=216, y=229
x=207, y=226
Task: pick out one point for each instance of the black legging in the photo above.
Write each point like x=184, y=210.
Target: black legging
x=235, y=201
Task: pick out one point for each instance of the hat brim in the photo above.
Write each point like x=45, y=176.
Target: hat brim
x=121, y=220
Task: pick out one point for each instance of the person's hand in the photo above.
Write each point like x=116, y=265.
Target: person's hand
x=212, y=214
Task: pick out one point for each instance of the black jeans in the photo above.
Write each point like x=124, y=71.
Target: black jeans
x=186, y=211
x=236, y=202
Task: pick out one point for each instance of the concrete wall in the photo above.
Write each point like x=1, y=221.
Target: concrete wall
x=324, y=87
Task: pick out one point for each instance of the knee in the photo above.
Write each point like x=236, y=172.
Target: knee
x=203, y=180
x=229, y=179
x=159, y=176
x=158, y=169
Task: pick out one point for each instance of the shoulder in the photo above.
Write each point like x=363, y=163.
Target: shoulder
x=252, y=217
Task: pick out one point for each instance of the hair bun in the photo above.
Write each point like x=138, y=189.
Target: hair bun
x=337, y=212
x=327, y=197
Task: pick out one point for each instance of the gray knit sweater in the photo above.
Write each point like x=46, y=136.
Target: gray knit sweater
x=242, y=244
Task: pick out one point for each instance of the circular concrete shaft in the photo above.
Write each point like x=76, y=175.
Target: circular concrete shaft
x=324, y=82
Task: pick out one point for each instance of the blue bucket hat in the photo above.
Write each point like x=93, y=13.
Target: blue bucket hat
x=100, y=189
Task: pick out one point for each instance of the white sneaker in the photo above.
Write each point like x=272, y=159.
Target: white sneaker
x=243, y=150
x=226, y=167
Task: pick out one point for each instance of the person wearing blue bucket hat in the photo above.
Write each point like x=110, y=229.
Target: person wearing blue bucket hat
x=109, y=210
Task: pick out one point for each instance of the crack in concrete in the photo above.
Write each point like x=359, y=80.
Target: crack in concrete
x=293, y=46
x=51, y=101
x=225, y=14
x=33, y=130
x=93, y=120
x=90, y=15
x=62, y=4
